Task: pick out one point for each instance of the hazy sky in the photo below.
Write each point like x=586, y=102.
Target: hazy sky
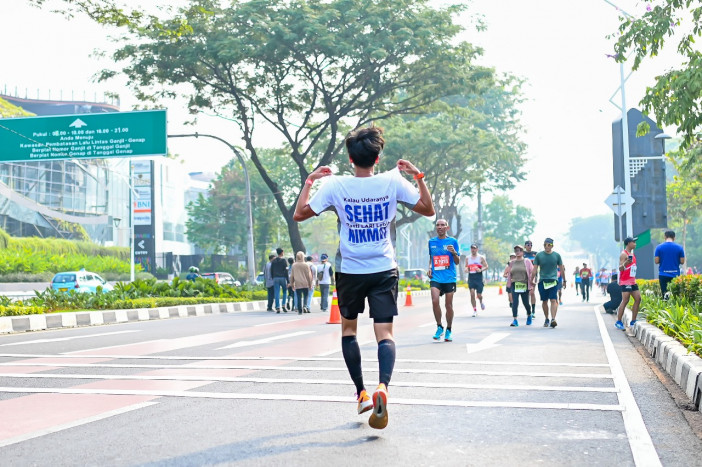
x=560, y=50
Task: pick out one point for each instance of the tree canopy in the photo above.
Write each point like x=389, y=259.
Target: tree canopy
x=676, y=96
x=303, y=71
x=467, y=143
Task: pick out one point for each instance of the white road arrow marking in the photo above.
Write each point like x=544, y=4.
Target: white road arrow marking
x=487, y=343
x=265, y=341
x=59, y=339
x=78, y=123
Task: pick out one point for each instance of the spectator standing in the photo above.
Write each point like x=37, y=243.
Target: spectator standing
x=669, y=256
x=269, y=282
x=325, y=278
x=313, y=271
x=301, y=282
x=291, y=302
x=279, y=271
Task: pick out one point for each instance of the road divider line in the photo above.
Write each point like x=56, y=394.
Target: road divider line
x=305, y=368
x=343, y=382
x=73, y=424
x=265, y=340
x=642, y=447
x=320, y=358
x=61, y=339
x=313, y=398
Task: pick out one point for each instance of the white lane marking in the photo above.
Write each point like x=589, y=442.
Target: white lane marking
x=313, y=398
x=60, y=339
x=319, y=368
x=83, y=421
x=639, y=439
x=286, y=320
x=266, y=340
x=343, y=382
x=488, y=343
x=321, y=358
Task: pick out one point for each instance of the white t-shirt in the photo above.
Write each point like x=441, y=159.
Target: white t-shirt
x=366, y=208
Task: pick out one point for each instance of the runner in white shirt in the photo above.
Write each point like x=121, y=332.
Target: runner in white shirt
x=365, y=264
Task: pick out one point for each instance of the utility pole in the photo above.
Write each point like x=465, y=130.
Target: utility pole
x=251, y=262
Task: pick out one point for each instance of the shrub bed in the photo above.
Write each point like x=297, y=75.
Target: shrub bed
x=679, y=315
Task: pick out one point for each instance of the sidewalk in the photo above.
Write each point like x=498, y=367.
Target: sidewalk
x=72, y=319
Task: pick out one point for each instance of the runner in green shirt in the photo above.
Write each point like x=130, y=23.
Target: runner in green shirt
x=547, y=263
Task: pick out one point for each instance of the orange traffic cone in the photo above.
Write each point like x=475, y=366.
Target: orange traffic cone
x=500, y=291
x=408, y=297
x=334, y=315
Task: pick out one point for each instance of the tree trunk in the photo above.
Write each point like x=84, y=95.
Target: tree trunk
x=294, y=232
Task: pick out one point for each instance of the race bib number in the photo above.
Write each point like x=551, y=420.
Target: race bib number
x=550, y=284
x=585, y=275
x=441, y=262
x=632, y=271
x=520, y=287
x=473, y=268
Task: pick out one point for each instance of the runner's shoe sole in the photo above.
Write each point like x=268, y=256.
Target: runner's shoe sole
x=379, y=417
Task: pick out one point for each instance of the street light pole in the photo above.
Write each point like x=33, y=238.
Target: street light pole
x=251, y=261
x=625, y=140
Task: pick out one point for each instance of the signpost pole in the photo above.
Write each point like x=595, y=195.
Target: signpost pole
x=132, y=201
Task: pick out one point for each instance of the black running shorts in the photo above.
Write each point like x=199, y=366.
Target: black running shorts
x=475, y=281
x=444, y=288
x=380, y=288
x=630, y=288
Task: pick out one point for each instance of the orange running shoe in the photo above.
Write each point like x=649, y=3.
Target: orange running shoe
x=364, y=402
x=379, y=417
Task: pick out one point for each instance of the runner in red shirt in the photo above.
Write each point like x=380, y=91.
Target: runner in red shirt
x=627, y=281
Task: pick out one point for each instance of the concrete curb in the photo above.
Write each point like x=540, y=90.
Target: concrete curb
x=16, y=324
x=684, y=367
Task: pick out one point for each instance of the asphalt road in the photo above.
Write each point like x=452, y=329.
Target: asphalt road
x=259, y=388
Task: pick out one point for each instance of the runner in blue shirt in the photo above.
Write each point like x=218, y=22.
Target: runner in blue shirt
x=443, y=258
x=668, y=256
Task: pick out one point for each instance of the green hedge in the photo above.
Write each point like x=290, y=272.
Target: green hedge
x=679, y=315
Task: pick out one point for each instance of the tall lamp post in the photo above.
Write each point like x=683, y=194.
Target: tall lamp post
x=251, y=262
x=625, y=137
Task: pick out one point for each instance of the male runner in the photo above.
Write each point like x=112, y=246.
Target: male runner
x=443, y=258
x=366, y=205
x=627, y=281
x=585, y=278
x=475, y=265
x=530, y=255
x=548, y=263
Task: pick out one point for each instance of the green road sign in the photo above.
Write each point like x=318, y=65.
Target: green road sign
x=83, y=136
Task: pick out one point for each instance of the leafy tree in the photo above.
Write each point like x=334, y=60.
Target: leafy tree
x=506, y=222
x=684, y=194
x=305, y=69
x=218, y=222
x=676, y=97
x=467, y=143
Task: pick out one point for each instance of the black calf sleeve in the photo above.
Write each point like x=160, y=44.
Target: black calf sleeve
x=352, y=357
x=386, y=360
